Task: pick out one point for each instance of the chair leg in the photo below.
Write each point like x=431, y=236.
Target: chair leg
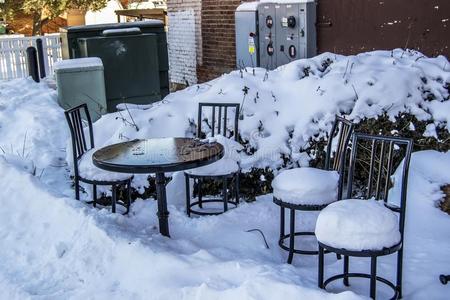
x=321, y=267
x=77, y=188
x=292, y=236
x=237, y=187
x=399, y=272
x=225, y=194
x=346, y=268
x=128, y=197
x=373, y=277
x=188, y=195
x=94, y=195
x=113, y=199
x=199, y=187
x=282, y=217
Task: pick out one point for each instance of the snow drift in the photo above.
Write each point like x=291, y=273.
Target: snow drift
x=283, y=109
x=55, y=247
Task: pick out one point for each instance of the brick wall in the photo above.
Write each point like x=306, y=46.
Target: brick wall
x=218, y=37
x=182, y=47
x=214, y=38
x=184, y=39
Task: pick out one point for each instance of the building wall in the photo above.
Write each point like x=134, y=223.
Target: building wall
x=23, y=24
x=105, y=15
x=75, y=17
x=184, y=40
x=218, y=38
x=345, y=27
x=353, y=26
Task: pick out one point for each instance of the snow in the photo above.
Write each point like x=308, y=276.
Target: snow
x=83, y=252
x=355, y=224
x=308, y=186
x=248, y=6
x=227, y=165
x=78, y=63
x=130, y=30
x=283, y=109
x=56, y=247
x=252, y=6
x=223, y=166
x=87, y=170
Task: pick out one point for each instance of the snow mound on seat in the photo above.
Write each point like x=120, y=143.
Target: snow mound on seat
x=308, y=186
x=356, y=224
x=223, y=166
x=88, y=170
x=228, y=164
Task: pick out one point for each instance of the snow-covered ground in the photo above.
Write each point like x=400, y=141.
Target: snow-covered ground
x=53, y=246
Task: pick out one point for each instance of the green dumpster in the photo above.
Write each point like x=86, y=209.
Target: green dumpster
x=74, y=38
x=130, y=59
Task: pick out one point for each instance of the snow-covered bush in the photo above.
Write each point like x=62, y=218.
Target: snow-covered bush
x=287, y=113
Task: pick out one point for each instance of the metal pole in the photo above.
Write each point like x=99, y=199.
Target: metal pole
x=40, y=53
x=32, y=63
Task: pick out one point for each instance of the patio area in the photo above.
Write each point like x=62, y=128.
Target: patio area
x=56, y=247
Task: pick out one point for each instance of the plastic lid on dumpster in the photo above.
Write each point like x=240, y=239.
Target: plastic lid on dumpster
x=78, y=65
x=97, y=27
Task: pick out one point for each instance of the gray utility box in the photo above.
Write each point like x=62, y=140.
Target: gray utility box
x=247, y=37
x=285, y=32
x=72, y=48
x=131, y=66
x=81, y=81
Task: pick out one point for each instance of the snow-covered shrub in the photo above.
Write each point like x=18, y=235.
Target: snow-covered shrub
x=287, y=113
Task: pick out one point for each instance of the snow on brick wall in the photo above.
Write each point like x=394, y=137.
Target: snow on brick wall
x=182, y=47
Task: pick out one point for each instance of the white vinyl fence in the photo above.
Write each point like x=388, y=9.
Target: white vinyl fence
x=13, y=57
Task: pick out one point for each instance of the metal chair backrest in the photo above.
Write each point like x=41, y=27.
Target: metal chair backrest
x=218, y=123
x=79, y=141
x=343, y=130
x=378, y=157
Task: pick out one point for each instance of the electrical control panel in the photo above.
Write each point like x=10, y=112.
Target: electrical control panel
x=285, y=32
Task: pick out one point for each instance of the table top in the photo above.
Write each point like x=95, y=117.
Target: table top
x=157, y=155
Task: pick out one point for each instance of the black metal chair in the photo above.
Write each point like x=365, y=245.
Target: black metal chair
x=301, y=197
x=226, y=170
x=82, y=160
x=368, y=228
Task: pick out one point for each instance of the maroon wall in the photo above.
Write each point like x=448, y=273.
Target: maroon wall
x=352, y=26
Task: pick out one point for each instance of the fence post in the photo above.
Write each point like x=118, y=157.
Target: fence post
x=32, y=63
x=40, y=55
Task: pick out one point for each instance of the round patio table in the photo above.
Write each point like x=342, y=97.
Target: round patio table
x=158, y=155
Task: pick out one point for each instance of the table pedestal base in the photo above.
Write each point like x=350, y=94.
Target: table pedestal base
x=163, y=213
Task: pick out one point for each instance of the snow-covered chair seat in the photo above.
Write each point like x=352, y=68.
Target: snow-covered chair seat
x=306, y=186
x=358, y=225
x=227, y=165
x=87, y=170
x=221, y=167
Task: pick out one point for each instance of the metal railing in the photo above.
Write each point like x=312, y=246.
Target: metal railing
x=13, y=58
